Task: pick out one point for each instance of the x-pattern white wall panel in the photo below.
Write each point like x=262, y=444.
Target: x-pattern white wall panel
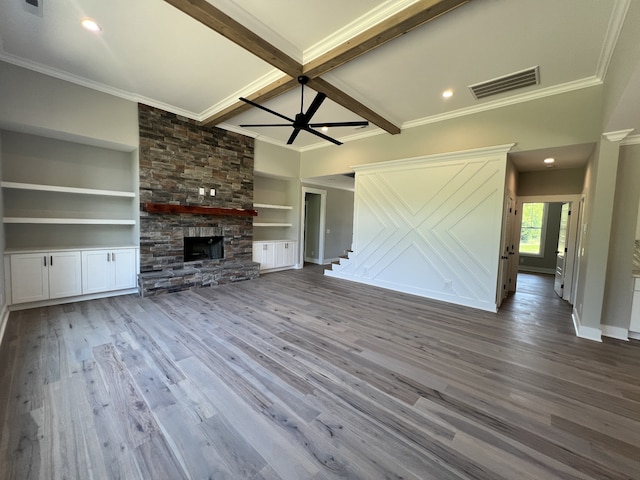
x=431, y=226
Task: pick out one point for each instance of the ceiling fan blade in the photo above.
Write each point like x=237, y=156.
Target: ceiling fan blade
x=322, y=135
x=265, y=109
x=315, y=105
x=293, y=136
x=266, y=125
x=340, y=124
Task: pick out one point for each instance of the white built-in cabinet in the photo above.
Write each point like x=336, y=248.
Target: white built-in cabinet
x=45, y=275
x=275, y=254
x=108, y=270
x=275, y=224
x=69, y=200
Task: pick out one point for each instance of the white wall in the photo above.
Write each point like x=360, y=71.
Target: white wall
x=430, y=226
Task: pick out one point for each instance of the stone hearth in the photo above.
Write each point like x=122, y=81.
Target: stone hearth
x=177, y=158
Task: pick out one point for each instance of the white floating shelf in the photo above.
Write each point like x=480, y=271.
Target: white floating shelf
x=68, y=221
x=275, y=207
x=59, y=189
x=272, y=225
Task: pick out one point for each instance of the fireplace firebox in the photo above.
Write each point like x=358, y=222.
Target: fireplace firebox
x=203, y=248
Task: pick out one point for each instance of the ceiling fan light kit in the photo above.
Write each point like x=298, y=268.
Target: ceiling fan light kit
x=302, y=120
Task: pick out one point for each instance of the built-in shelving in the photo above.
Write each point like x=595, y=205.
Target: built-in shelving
x=273, y=207
x=68, y=221
x=59, y=193
x=271, y=224
x=62, y=189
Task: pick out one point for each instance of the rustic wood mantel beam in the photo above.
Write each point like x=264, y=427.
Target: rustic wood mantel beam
x=198, y=210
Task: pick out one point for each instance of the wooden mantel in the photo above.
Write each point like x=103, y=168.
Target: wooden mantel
x=198, y=210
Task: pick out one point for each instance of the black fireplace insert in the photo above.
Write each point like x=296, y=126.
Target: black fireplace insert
x=203, y=248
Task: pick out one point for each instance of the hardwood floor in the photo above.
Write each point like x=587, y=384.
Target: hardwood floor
x=301, y=376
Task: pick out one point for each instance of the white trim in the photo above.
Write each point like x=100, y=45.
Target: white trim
x=504, y=102
x=634, y=335
x=618, y=135
x=588, y=333
x=475, y=154
x=4, y=319
x=360, y=25
x=631, y=140
x=321, y=228
x=616, y=21
x=615, y=332
x=77, y=298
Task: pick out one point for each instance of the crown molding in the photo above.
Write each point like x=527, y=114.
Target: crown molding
x=631, y=140
x=100, y=87
x=371, y=18
x=616, y=21
x=618, y=135
x=505, y=102
x=245, y=91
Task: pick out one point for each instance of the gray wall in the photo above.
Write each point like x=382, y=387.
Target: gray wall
x=619, y=281
x=312, y=219
x=551, y=182
x=547, y=263
x=339, y=223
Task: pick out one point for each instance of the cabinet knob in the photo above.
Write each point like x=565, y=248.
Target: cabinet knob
x=108, y=256
x=113, y=256
x=45, y=260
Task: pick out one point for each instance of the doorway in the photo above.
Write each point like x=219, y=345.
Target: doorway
x=313, y=215
x=569, y=207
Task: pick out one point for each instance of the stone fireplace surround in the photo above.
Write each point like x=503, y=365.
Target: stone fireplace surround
x=177, y=157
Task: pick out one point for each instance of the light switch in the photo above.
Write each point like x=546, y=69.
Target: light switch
x=212, y=192
x=201, y=191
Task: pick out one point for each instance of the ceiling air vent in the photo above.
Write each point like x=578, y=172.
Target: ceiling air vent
x=507, y=83
x=33, y=6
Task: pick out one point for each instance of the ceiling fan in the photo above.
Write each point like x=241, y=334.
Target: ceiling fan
x=302, y=120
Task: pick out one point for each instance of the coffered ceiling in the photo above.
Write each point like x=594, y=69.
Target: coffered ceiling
x=168, y=54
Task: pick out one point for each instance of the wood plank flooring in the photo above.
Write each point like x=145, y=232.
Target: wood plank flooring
x=301, y=376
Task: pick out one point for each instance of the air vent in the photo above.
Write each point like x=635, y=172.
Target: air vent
x=507, y=83
x=33, y=6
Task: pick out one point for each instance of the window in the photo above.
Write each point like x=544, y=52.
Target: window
x=534, y=219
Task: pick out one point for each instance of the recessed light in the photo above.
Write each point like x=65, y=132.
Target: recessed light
x=447, y=94
x=549, y=160
x=91, y=24
x=325, y=129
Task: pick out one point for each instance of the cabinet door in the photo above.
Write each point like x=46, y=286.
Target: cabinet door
x=95, y=271
x=123, y=265
x=290, y=253
x=268, y=255
x=29, y=277
x=64, y=274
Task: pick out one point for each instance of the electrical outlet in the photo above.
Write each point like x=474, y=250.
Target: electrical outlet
x=201, y=191
x=212, y=192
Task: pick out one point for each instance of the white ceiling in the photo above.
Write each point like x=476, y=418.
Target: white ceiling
x=149, y=51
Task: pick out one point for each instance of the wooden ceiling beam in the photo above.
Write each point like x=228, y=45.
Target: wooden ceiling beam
x=404, y=21
x=393, y=27
x=353, y=105
x=218, y=21
x=280, y=86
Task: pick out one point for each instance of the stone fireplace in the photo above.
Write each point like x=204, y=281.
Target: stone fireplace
x=178, y=158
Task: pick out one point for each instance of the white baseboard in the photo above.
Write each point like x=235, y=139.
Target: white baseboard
x=615, y=332
x=634, y=335
x=79, y=298
x=588, y=333
x=4, y=318
x=313, y=260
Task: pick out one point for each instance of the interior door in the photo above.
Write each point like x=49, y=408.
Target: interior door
x=506, y=255
x=558, y=284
